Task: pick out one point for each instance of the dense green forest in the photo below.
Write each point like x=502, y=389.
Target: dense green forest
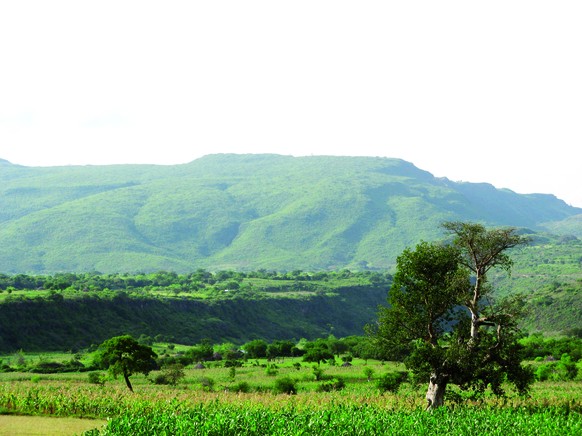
x=73, y=311
x=244, y=212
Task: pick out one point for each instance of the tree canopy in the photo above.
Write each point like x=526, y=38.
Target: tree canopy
x=442, y=310
x=123, y=355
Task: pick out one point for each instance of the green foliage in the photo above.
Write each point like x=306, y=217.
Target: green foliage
x=548, y=273
x=281, y=348
x=256, y=349
x=368, y=372
x=105, y=304
x=333, y=384
x=201, y=352
x=233, y=363
x=271, y=370
x=241, y=387
x=453, y=331
x=391, y=381
x=96, y=377
x=20, y=359
x=46, y=367
x=207, y=383
x=230, y=419
x=317, y=352
x=318, y=373
x=538, y=346
x=161, y=413
x=35, y=378
x=427, y=288
x=138, y=304
x=285, y=385
x=123, y=355
x=249, y=407
x=170, y=375
x=561, y=370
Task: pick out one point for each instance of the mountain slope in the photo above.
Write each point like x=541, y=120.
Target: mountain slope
x=242, y=212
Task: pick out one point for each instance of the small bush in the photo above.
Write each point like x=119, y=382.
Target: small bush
x=96, y=378
x=207, y=384
x=7, y=368
x=318, y=373
x=368, y=373
x=271, y=370
x=160, y=379
x=347, y=358
x=390, y=382
x=335, y=384
x=561, y=370
x=242, y=386
x=173, y=373
x=285, y=385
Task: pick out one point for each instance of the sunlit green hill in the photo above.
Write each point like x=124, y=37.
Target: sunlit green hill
x=243, y=212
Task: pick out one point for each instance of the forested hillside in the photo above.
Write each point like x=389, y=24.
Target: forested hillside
x=244, y=212
x=548, y=272
x=73, y=311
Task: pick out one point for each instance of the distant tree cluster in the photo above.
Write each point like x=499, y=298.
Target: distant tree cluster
x=536, y=346
x=316, y=351
x=95, y=282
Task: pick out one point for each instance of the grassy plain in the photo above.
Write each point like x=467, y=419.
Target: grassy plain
x=219, y=400
x=16, y=425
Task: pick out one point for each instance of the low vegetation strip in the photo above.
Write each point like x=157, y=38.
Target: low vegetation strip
x=220, y=419
x=554, y=408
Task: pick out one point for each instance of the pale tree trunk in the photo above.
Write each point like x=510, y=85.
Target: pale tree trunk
x=474, y=307
x=435, y=395
x=474, y=326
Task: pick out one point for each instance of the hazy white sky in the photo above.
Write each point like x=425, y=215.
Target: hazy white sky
x=475, y=91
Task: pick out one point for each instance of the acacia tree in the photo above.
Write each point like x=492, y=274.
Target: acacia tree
x=481, y=251
x=126, y=356
x=441, y=309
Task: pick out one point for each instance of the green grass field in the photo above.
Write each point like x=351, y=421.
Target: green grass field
x=218, y=400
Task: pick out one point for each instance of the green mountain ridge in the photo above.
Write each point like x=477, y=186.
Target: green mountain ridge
x=244, y=212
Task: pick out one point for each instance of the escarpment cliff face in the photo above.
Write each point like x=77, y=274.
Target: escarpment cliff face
x=54, y=323
x=243, y=212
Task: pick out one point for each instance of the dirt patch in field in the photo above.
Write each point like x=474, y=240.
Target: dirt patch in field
x=15, y=425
